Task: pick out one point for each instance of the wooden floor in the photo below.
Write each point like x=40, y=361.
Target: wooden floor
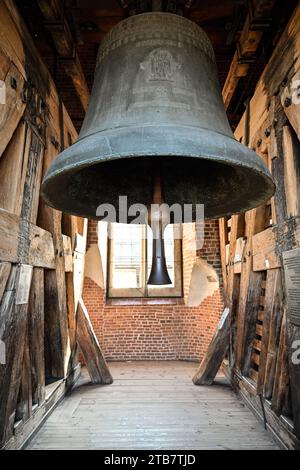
x=152, y=405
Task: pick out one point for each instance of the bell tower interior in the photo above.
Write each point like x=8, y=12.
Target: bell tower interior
x=149, y=223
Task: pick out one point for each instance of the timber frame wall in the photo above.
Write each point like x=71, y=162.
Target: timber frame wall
x=252, y=244
x=41, y=250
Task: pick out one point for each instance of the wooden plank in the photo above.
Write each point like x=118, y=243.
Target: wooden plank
x=56, y=310
x=250, y=290
x=22, y=242
x=293, y=333
x=12, y=175
x=216, y=352
x=57, y=340
x=72, y=320
x=79, y=262
x=274, y=340
x=25, y=430
x=239, y=255
x=80, y=243
x=280, y=428
x=4, y=64
x=24, y=405
x=223, y=233
x=237, y=230
x=142, y=411
x=271, y=331
x=68, y=255
x=251, y=326
x=4, y=273
x=89, y=345
x=36, y=336
x=13, y=320
x=291, y=150
x=290, y=100
x=264, y=251
x=13, y=109
x=281, y=382
x=32, y=184
x=272, y=306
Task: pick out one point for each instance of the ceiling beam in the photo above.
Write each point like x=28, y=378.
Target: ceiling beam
x=57, y=24
x=258, y=19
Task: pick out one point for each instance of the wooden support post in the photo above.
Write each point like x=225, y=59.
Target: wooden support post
x=56, y=310
x=291, y=150
x=281, y=382
x=272, y=315
x=36, y=336
x=274, y=340
x=252, y=304
x=13, y=319
x=13, y=108
x=90, y=348
x=254, y=221
x=216, y=352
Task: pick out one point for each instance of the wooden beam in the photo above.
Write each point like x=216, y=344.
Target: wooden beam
x=264, y=250
x=250, y=327
x=22, y=242
x=281, y=382
x=36, y=336
x=13, y=320
x=56, y=310
x=274, y=337
x=4, y=273
x=89, y=345
x=56, y=22
x=249, y=41
x=272, y=310
x=223, y=233
x=291, y=151
x=216, y=352
x=13, y=107
x=254, y=221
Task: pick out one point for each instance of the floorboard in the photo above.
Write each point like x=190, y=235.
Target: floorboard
x=152, y=405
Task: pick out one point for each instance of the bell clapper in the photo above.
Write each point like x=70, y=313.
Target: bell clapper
x=159, y=272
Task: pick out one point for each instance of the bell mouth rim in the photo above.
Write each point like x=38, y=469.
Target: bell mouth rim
x=133, y=143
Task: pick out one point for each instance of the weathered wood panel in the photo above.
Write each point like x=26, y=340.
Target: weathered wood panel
x=264, y=253
x=291, y=148
x=13, y=321
x=90, y=348
x=216, y=352
x=36, y=336
x=22, y=242
x=30, y=122
x=13, y=108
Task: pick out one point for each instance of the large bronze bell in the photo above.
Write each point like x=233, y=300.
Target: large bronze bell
x=156, y=101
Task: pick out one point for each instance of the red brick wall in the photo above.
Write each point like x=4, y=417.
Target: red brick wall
x=155, y=332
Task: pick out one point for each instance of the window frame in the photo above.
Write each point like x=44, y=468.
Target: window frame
x=146, y=292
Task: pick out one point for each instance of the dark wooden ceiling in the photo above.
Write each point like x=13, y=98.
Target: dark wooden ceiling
x=90, y=20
